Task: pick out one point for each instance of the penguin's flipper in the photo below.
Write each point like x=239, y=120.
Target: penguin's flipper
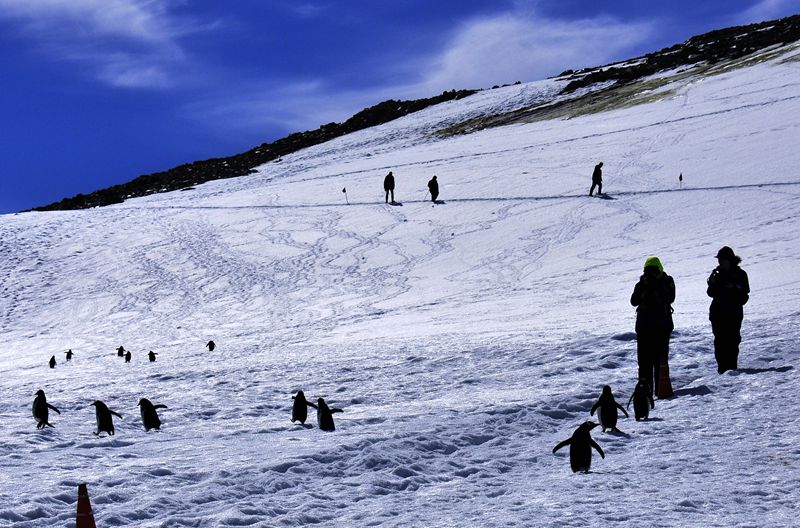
x=159, y=406
x=652, y=401
x=594, y=408
x=621, y=408
x=565, y=443
x=597, y=447
x=314, y=405
x=56, y=410
x=630, y=400
x=335, y=410
x=294, y=397
x=115, y=414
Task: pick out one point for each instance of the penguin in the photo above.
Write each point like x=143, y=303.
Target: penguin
x=642, y=400
x=211, y=346
x=41, y=410
x=120, y=351
x=300, y=407
x=127, y=356
x=52, y=362
x=105, y=423
x=608, y=410
x=580, y=447
x=150, y=417
x=152, y=355
x=69, y=354
x=324, y=414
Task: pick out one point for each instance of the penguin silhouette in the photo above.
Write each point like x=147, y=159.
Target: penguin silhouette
x=608, y=410
x=325, y=414
x=41, y=410
x=300, y=407
x=120, y=351
x=211, y=346
x=105, y=423
x=52, y=362
x=580, y=448
x=152, y=355
x=150, y=418
x=69, y=354
x=642, y=400
x=127, y=356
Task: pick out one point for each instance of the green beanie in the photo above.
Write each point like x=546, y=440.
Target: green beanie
x=653, y=261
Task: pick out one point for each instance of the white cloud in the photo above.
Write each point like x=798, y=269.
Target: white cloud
x=768, y=10
x=127, y=43
x=523, y=46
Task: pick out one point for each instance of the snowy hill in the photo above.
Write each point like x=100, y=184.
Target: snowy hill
x=462, y=340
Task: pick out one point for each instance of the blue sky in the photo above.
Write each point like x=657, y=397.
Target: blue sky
x=97, y=92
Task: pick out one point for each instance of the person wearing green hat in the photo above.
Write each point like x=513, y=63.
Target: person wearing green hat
x=653, y=296
x=729, y=288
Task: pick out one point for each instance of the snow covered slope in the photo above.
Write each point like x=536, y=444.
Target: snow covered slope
x=463, y=340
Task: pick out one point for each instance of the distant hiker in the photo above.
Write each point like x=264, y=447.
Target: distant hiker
x=211, y=346
x=597, y=179
x=680, y=180
x=729, y=288
x=69, y=354
x=433, y=187
x=653, y=297
x=388, y=186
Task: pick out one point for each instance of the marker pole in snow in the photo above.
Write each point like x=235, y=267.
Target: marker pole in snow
x=85, y=516
x=426, y=196
x=344, y=190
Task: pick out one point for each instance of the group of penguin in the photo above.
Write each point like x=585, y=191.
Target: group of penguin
x=150, y=420
x=581, y=442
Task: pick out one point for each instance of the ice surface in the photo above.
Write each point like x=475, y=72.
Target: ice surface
x=462, y=340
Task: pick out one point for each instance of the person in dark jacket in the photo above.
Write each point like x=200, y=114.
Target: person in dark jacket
x=433, y=187
x=388, y=186
x=653, y=296
x=597, y=179
x=729, y=288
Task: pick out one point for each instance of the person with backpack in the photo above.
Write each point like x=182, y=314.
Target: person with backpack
x=433, y=187
x=653, y=296
x=388, y=186
x=597, y=179
x=729, y=288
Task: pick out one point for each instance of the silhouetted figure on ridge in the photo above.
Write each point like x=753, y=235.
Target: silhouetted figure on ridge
x=597, y=179
x=388, y=186
x=433, y=187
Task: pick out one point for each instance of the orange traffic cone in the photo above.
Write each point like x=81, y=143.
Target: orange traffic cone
x=85, y=518
x=664, y=383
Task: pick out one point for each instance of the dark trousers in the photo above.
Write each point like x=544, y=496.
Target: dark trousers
x=434, y=196
x=599, y=186
x=387, y=195
x=727, y=336
x=651, y=348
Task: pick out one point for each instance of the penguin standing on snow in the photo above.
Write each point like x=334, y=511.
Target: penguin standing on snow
x=325, y=415
x=120, y=351
x=211, y=346
x=152, y=356
x=41, y=410
x=642, y=399
x=105, y=423
x=580, y=448
x=128, y=356
x=150, y=417
x=300, y=407
x=608, y=410
x=52, y=362
x=69, y=354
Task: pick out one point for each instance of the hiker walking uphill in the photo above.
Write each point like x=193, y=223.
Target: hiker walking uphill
x=388, y=186
x=433, y=187
x=729, y=288
x=653, y=297
x=597, y=179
